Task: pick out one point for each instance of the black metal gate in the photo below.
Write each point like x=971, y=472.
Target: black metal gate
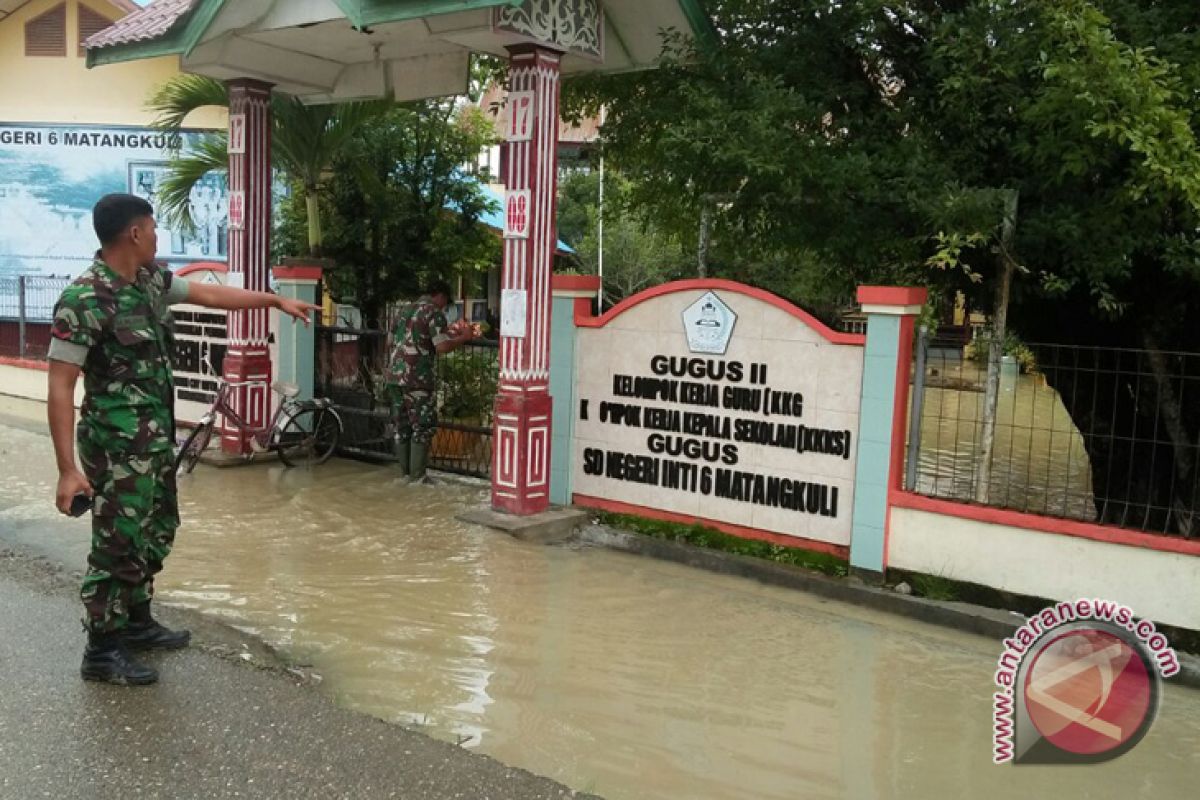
x=350, y=370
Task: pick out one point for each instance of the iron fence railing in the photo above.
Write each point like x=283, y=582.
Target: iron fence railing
x=1097, y=434
x=26, y=311
x=351, y=364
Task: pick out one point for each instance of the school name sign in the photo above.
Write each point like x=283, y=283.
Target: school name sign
x=722, y=404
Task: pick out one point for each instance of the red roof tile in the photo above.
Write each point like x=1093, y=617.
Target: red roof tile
x=150, y=22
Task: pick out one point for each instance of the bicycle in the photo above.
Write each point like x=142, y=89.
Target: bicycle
x=302, y=432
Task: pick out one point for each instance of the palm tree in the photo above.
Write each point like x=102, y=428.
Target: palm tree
x=305, y=140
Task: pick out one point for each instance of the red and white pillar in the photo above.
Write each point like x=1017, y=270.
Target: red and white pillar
x=521, y=440
x=247, y=358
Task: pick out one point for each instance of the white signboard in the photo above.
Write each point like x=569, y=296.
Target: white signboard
x=237, y=210
x=237, y=134
x=512, y=313
x=516, y=214
x=756, y=426
x=520, y=117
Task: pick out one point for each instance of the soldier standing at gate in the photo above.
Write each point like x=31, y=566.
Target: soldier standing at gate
x=113, y=325
x=421, y=333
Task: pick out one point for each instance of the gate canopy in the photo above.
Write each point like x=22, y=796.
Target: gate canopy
x=336, y=50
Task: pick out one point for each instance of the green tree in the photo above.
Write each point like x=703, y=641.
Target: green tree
x=398, y=208
x=305, y=141
x=875, y=140
x=578, y=198
x=637, y=254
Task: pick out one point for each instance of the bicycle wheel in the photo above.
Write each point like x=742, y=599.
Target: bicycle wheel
x=309, y=437
x=193, y=447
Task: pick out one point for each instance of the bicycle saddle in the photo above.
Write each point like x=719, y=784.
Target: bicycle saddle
x=288, y=390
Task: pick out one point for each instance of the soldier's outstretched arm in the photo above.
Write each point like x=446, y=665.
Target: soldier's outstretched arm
x=61, y=411
x=231, y=298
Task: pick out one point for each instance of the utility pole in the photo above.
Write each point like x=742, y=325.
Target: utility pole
x=707, y=202
x=600, y=229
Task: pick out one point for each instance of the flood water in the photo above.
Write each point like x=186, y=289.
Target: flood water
x=1039, y=462
x=614, y=674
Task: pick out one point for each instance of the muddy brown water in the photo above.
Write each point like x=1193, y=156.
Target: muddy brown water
x=1039, y=462
x=615, y=674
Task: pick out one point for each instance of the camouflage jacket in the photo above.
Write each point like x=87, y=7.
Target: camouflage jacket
x=122, y=335
x=419, y=329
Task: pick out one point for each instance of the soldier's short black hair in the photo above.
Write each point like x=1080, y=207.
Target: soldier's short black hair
x=116, y=212
x=434, y=288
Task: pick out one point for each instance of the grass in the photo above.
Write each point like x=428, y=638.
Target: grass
x=935, y=587
x=712, y=539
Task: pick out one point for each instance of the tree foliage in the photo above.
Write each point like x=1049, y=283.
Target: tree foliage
x=858, y=133
x=881, y=141
x=637, y=253
x=305, y=141
x=398, y=208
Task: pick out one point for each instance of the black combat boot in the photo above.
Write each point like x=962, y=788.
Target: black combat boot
x=144, y=633
x=106, y=659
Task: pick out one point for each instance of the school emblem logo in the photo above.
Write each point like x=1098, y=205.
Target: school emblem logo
x=709, y=323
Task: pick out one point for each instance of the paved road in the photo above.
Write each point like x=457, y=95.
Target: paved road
x=226, y=719
x=219, y=724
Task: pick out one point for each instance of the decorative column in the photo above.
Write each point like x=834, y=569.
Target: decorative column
x=297, y=280
x=521, y=441
x=249, y=244
x=887, y=364
x=573, y=298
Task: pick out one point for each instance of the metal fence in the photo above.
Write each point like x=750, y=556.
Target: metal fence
x=1096, y=434
x=26, y=310
x=350, y=366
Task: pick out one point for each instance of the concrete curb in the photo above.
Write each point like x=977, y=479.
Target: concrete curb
x=992, y=623
x=555, y=524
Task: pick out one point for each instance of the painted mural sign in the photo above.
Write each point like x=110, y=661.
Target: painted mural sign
x=52, y=175
x=727, y=405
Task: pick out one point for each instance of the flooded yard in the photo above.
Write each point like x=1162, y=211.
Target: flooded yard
x=1039, y=462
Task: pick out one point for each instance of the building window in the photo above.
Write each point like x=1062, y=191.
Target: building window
x=46, y=34
x=90, y=23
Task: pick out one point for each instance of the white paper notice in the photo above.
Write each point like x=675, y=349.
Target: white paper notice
x=512, y=313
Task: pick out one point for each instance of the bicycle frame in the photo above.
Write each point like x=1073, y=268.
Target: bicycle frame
x=222, y=406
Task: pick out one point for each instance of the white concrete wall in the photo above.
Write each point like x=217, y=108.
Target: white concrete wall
x=30, y=383
x=1164, y=587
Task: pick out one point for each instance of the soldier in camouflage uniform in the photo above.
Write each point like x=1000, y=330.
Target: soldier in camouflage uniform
x=420, y=334
x=113, y=325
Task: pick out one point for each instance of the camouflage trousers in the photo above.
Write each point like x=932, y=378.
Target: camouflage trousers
x=415, y=414
x=133, y=527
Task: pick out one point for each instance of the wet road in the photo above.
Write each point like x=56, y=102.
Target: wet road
x=616, y=675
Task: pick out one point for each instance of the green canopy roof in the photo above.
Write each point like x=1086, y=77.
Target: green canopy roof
x=330, y=50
